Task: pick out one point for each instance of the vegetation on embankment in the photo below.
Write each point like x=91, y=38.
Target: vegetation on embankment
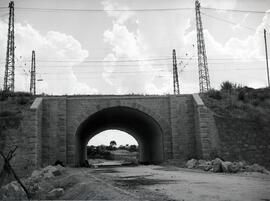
x=242, y=116
x=14, y=103
x=12, y=107
x=233, y=100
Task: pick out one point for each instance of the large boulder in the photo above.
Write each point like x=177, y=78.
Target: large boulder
x=192, y=163
x=234, y=167
x=36, y=175
x=217, y=165
x=256, y=168
x=51, y=171
x=55, y=193
x=12, y=191
x=47, y=172
x=225, y=166
x=32, y=185
x=205, y=165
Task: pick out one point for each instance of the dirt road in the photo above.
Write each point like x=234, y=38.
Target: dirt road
x=165, y=183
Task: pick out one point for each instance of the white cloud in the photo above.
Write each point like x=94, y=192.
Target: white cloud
x=228, y=4
x=243, y=21
x=128, y=77
x=53, y=46
x=243, y=50
x=120, y=17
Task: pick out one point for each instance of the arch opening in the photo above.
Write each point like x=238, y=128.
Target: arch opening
x=138, y=124
x=113, y=145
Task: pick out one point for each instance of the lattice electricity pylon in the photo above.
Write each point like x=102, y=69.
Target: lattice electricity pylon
x=10, y=56
x=33, y=74
x=204, y=79
x=175, y=74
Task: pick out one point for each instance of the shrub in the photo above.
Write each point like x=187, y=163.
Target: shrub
x=255, y=102
x=133, y=148
x=7, y=114
x=244, y=94
x=227, y=86
x=255, y=97
x=98, y=152
x=215, y=94
x=22, y=100
x=4, y=95
x=241, y=95
x=21, y=93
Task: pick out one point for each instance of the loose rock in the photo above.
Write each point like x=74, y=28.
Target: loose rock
x=234, y=167
x=217, y=165
x=12, y=191
x=192, y=163
x=225, y=166
x=205, y=165
x=256, y=168
x=55, y=193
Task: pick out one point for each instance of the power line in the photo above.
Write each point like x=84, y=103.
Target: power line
x=237, y=10
x=106, y=61
x=38, y=9
x=137, y=60
x=230, y=22
x=99, y=10
x=98, y=77
x=56, y=67
x=149, y=71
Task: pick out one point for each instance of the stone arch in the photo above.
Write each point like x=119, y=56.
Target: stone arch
x=131, y=119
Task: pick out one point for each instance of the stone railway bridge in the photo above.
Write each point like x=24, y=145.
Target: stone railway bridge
x=166, y=127
x=171, y=127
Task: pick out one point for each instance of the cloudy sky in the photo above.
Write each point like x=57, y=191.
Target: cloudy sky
x=125, y=46
x=79, y=51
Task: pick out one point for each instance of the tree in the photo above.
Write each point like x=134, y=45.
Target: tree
x=112, y=143
x=133, y=148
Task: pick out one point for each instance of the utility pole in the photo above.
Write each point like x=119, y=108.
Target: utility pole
x=266, y=56
x=33, y=74
x=204, y=80
x=10, y=57
x=175, y=74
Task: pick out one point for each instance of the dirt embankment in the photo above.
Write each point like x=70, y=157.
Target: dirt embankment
x=242, y=117
x=12, y=107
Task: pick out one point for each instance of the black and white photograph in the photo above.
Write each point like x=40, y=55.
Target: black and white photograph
x=158, y=100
